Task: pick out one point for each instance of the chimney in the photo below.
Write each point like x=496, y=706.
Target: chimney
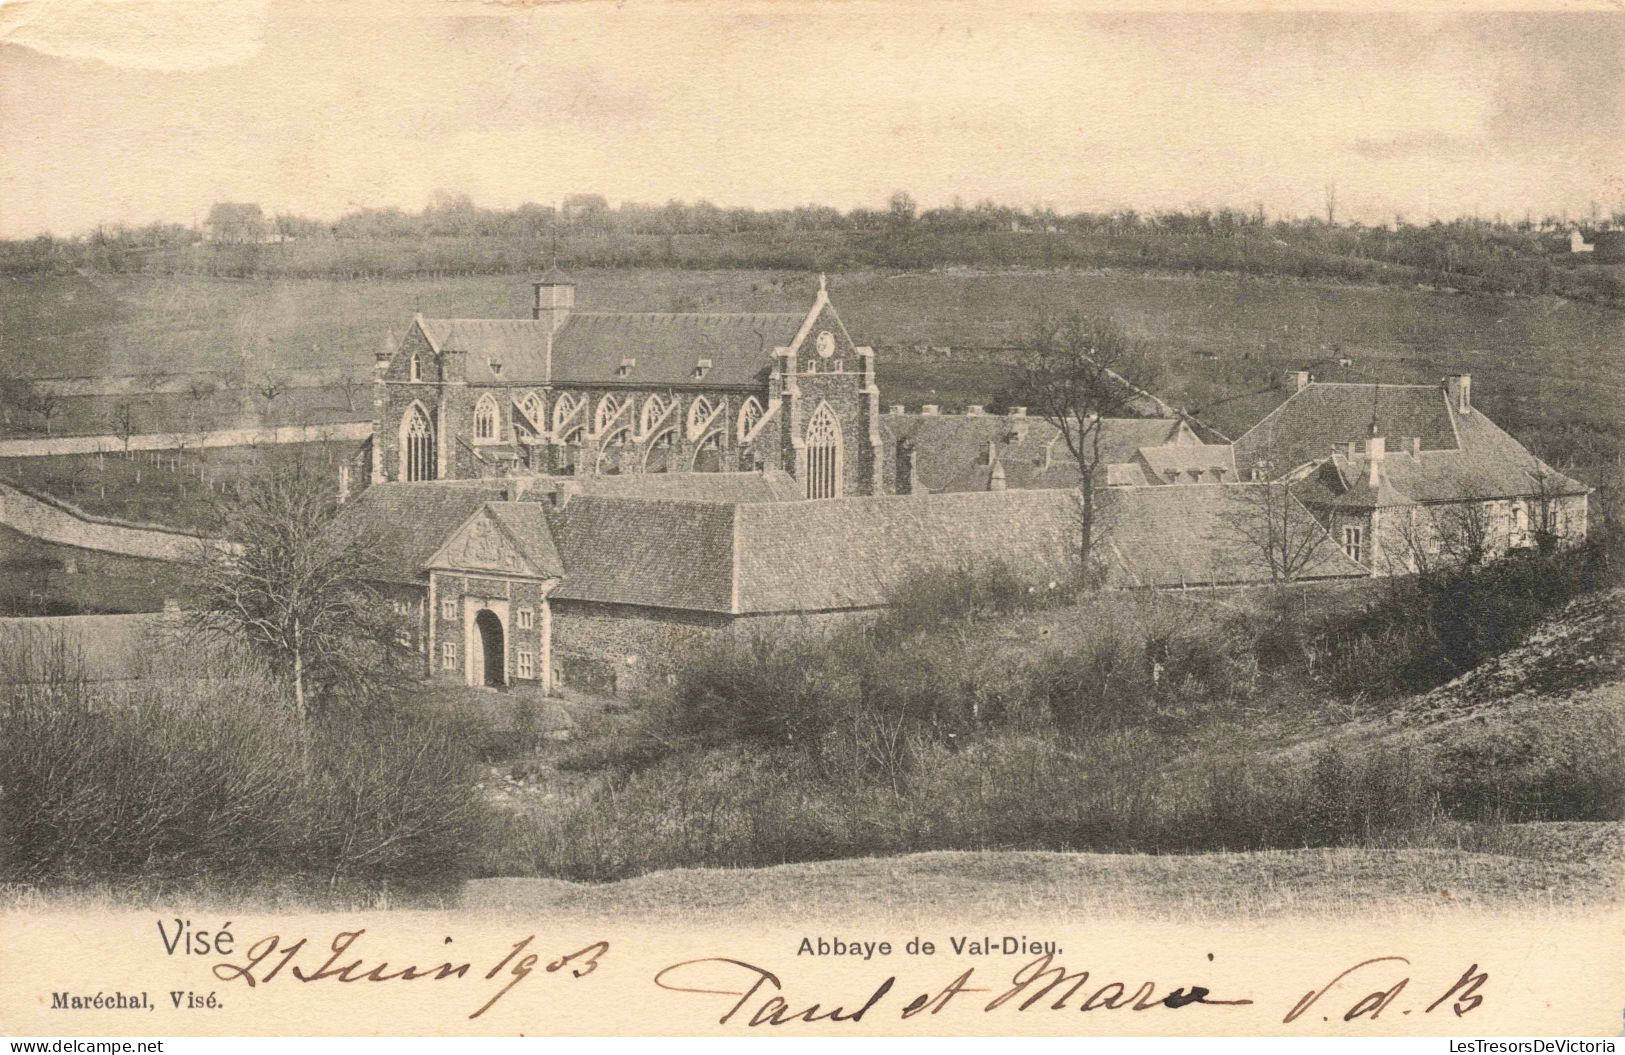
x=929, y=409
x=555, y=297
x=1460, y=389
x=974, y=410
x=906, y=466
x=386, y=352
x=897, y=408
x=563, y=491
x=514, y=489
x=995, y=480
x=1375, y=447
x=1018, y=412
x=1416, y=446
x=1297, y=380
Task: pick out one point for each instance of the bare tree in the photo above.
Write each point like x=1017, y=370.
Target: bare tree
x=124, y=424
x=1074, y=373
x=16, y=399
x=1462, y=532
x=1277, y=532
x=297, y=587
x=1545, y=509
x=45, y=403
x=270, y=387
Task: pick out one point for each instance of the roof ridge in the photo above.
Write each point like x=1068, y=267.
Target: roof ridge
x=1368, y=384
x=681, y=314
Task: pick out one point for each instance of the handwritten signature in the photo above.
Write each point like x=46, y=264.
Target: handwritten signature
x=755, y=996
x=755, y=993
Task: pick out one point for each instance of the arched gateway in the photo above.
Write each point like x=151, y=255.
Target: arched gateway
x=493, y=652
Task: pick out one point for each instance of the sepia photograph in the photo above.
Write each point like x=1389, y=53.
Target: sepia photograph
x=841, y=519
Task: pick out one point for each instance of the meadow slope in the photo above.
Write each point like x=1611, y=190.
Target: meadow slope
x=1538, y=360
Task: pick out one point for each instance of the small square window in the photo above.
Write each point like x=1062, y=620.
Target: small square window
x=448, y=655
x=448, y=609
x=525, y=663
x=527, y=619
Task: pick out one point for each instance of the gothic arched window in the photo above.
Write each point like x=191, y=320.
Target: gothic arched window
x=417, y=445
x=653, y=411
x=609, y=408
x=485, y=419
x=414, y=369
x=823, y=454
x=564, y=408
x=749, y=415
x=699, y=412
x=533, y=412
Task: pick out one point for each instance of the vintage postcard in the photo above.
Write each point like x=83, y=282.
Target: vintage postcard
x=868, y=518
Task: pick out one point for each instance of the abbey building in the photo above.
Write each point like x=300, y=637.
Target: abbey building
x=587, y=393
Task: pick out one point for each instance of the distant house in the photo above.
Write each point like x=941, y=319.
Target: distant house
x=1605, y=245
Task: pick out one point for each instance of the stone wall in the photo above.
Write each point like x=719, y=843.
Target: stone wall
x=54, y=522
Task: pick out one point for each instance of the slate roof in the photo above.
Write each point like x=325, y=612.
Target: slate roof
x=757, y=558
x=851, y=552
x=1489, y=464
x=952, y=450
x=766, y=486
x=656, y=552
x=409, y=522
x=1306, y=426
x=530, y=533
x=1195, y=536
x=1464, y=456
x=1189, y=459
x=590, y=347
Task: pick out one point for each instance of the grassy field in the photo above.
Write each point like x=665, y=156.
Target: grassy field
x=1543, y=364
x=171, y=488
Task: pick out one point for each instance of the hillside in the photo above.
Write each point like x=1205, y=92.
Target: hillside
x=1543, y=364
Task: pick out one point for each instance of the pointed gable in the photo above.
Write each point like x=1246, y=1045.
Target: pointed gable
x=505, y=537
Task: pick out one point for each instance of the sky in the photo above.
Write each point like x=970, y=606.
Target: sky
x=129, y=111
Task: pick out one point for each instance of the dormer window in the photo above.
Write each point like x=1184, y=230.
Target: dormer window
x=702, y=368
x=496, y=367
x=625, y=369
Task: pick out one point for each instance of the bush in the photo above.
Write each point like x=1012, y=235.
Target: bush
x=214, y=779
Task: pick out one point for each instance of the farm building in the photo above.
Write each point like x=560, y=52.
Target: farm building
x=1402, y=475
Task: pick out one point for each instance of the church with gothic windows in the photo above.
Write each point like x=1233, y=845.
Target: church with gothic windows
x=590, y=393
x=581, y=498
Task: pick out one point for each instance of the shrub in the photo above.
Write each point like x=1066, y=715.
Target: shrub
x=213, y=778
x=1106, y=684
